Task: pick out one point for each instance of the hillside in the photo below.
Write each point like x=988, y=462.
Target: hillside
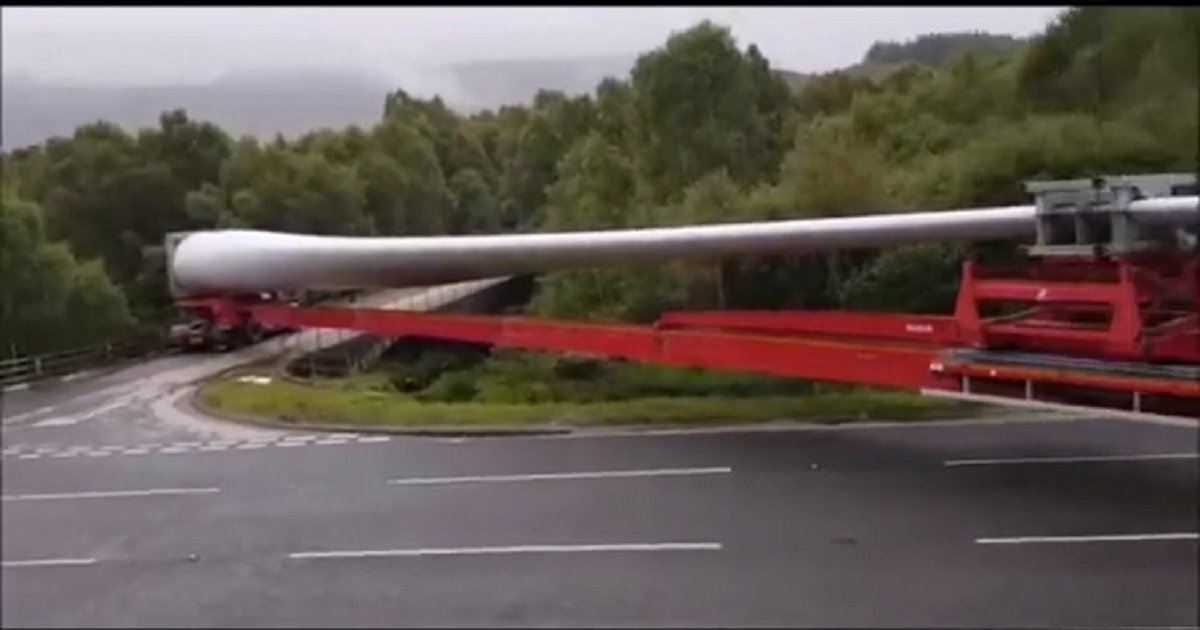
x=933, y=50
x=253, y=105
x=262, y=105
x=936, y=49
x=291, y=104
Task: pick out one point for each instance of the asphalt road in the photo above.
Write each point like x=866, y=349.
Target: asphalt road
x=130, y=517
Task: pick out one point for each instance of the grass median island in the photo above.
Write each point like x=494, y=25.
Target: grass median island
x=438, y=385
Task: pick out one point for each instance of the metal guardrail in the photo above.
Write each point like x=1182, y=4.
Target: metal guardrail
x=15, y=371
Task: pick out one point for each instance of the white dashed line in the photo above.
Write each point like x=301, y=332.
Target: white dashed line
x=1017, y=540
x=50, y=562
x=63, y=452
x=115, y=494
x=1069, y=460
x=473, y=551
x=610, y=474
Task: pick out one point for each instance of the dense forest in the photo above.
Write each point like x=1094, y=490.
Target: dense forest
x=702, y=130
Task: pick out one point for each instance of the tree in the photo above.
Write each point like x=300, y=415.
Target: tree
x=475, y=206
x=48, y=300
x=698, y=108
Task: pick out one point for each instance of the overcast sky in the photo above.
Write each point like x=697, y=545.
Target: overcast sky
x=194, y=45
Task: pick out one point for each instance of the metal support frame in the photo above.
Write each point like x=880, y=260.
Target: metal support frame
x=1098, y=284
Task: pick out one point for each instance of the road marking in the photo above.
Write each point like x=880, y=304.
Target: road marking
x=78, y=375
x=135, y=451
x=1069, y=460
x=330, y=441
x=63, y=454
x=171, y=450
x=1086, y=539
x=56, y=422
x=474, y=551
x=99, y=453
x=373, y=439
x=49, y=562
x=291, y=444
x=214, y=447
x=155, y=492
x=250, y=446
x=29, y=456
x=607, y=474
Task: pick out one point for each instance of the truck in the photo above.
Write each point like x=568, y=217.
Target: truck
x=208, y=323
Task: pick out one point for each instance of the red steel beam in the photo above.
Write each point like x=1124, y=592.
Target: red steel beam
x=1035, y=290
x=933, y=329
x=867, y=362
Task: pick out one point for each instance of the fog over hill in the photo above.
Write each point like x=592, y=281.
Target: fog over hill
x=263, y=104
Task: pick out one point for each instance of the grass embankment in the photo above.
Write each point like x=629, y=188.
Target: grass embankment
x=465, y=387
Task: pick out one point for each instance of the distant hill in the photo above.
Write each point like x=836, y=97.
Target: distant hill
x=932, y=50
x=490, y=84
x=292, y=103
x=937, y=48
x=255, y=105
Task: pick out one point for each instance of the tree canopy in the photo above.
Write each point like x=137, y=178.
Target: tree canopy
x=703, y=129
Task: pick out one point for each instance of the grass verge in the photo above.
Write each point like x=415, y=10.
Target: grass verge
x=354, y=404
